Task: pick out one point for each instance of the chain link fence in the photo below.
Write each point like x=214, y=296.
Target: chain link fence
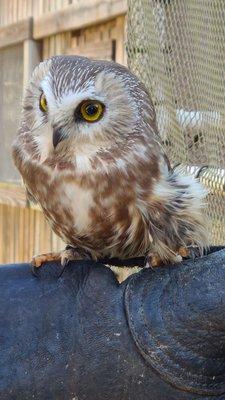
x=177, y=48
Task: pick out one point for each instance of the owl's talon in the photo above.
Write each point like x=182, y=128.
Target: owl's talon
x=69, y=254
x=34, y=270
x=194, y=252
x=40, y=259
x=183, y=251
x=64, y=261
x=153, y=261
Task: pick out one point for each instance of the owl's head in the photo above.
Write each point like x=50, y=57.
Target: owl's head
x=74, y=100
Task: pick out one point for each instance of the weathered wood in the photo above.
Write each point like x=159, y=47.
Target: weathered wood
x=120, y=33
x=76, y=16
x=12, y=11
x=103, y=50
x=12, y=194
x=11, y=85
x=16, y=33
x=23, y=227
x=101, y=41
x=31, y=57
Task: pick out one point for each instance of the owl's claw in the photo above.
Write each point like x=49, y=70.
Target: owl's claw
x=72, y=254
x=34, y=270
x=38, y=260
x=194, y=252
x=65, y=256
x=191, y=252
x=184, y=252
x=154, y=261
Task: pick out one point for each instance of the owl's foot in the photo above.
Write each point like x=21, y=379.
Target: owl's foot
x=40, y=259
x=190, y=252
x=154, y=260
x=184, y=252
x=69, y=254
x=73, y=254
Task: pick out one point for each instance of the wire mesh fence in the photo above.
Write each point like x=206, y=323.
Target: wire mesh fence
x=177, y=48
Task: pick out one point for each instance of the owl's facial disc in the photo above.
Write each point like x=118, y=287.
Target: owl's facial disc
x=74, y=107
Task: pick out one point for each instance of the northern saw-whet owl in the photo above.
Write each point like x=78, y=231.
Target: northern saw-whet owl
x=89, y=153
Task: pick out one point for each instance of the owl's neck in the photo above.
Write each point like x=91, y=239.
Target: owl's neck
x=78, y=153
x=94, y=156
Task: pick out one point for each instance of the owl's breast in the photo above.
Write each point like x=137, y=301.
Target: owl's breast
x=98, y=212
x=65, y=203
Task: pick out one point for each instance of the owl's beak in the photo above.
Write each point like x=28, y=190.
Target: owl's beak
x=58, y=136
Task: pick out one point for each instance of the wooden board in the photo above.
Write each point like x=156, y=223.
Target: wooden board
x=101, y=41
x=76, y=16
x=12, y=194
x=16, y=33
x=11, y=87
x=104, y=50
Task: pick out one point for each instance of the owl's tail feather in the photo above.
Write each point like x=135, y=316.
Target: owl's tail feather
x=181, y=220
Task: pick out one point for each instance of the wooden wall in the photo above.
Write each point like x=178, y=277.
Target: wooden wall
x=24, y=233
x=101, y=41
x=15, y=10
x=11, y=87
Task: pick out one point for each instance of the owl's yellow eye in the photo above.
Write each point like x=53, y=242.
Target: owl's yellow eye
x=43, y=103
x=91, y=110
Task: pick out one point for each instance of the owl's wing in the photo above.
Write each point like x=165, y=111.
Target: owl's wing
x=29, y=196
x=167, y=162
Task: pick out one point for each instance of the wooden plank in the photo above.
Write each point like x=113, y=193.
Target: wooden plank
x=21, y=235
x=31, y=57
x=77, y=16
x=31, y=233
x=120, y=48
x=12, y=194
x=52, y=45
x=11, y=213
x=6, y=231
x=16, y=33
x=26, y=233
x=37, y=233
x=16, y=234
x=15, y=5
x=100, y=50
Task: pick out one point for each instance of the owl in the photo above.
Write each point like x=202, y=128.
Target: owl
x=90, y=154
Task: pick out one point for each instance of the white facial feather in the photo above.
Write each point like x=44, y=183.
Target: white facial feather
x=43, y=140
x=119, y=115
